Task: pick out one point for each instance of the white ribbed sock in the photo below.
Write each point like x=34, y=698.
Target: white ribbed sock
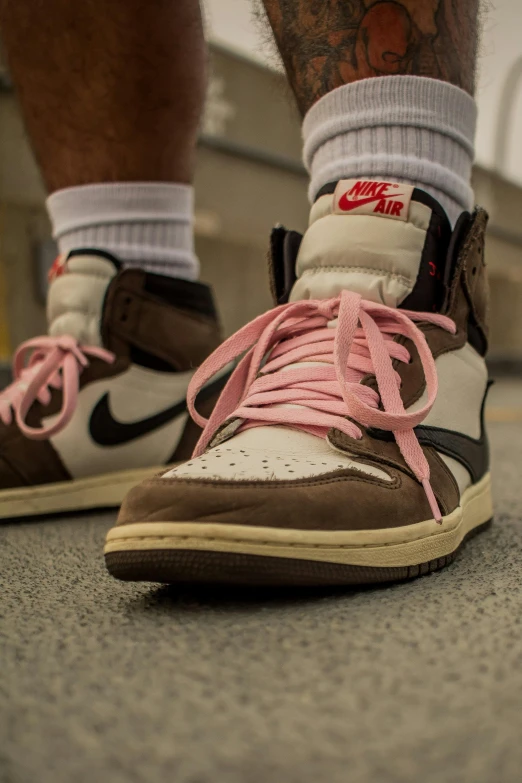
x=404, y=128
x=148, y=225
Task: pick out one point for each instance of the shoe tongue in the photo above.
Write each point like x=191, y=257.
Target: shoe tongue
x=384, y=240
x=78, y=283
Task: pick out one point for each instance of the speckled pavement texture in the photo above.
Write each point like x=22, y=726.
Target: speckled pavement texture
x=105, y=681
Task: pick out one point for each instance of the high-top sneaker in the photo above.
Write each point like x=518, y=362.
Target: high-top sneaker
x=348, y=445
x=99, y=403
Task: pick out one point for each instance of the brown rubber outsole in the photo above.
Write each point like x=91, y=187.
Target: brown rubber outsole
x=172, y=566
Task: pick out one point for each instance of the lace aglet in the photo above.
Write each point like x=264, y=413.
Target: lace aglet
x=432, y=501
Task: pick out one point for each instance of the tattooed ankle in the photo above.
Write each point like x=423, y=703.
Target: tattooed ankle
x=326, y=43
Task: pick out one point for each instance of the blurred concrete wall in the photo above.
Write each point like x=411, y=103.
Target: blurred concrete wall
x=249, y=177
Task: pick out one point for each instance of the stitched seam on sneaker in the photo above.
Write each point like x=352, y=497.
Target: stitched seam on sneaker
x=291, y=544
x=361, y=269
x=395, y=483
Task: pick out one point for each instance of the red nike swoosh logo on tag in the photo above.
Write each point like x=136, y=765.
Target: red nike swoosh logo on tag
x=347, y=204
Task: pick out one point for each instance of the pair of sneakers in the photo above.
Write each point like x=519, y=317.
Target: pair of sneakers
x=346, y=445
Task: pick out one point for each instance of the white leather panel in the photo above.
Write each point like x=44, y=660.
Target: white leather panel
x=270, y=453
x=460, y=473
x=463, y=377
x=134, y=395
x=75, y=299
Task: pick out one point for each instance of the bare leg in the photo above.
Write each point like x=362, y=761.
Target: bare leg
x=327, y=43
x=110, y=91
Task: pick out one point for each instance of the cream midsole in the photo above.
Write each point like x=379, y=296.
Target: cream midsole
x=102, y=491
x=399, y=546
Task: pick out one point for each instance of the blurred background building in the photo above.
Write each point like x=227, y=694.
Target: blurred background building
x=249, y=177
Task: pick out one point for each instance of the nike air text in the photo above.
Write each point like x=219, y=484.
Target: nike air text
x=365, y=197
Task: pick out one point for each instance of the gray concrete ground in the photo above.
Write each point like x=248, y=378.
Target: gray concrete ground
x=104, y=681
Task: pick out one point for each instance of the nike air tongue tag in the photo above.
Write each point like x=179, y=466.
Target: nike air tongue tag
x=367, y=197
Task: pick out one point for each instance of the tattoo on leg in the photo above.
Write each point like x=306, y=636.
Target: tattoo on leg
x=326, y=43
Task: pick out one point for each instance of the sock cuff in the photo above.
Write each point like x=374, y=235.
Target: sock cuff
x=408, y=101
x=85, y=206
x=147, y=225
x=427, y=175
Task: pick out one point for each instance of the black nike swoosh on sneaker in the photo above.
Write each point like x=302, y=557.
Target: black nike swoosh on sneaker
x=105, y=430
x=470, y=452
x=473, y=453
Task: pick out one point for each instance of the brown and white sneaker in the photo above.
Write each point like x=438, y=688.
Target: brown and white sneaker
x=100, y=403
x=348, y=446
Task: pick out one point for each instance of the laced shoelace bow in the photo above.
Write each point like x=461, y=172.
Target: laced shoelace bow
x=40, y=365
x=302, y=366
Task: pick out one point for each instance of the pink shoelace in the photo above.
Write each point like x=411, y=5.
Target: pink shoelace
x=272, y=385
x=40, y=365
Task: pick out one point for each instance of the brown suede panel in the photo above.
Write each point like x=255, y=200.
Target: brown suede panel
x=9, y=478
x=132, y=316
x=26, y=462
x=346, y=500
x=192, y=432
x=469, y=291
x=384, y=454
x=474, y=275
x=440, y=341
